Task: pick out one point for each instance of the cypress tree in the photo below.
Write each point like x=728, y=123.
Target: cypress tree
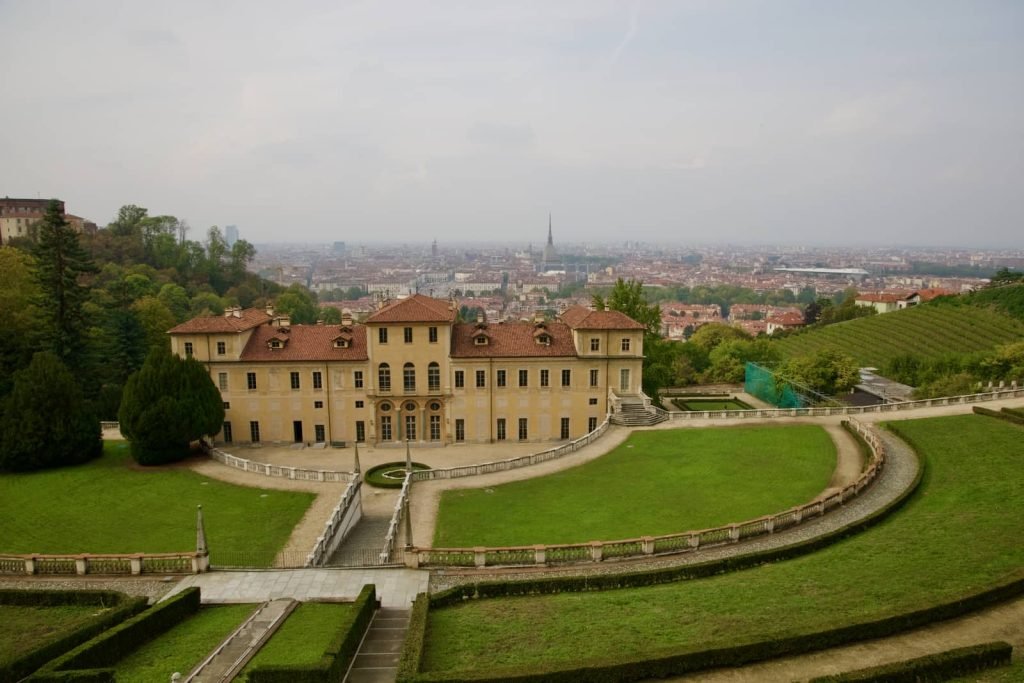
x=46, y=421
x=169, y=403
x=61, y=261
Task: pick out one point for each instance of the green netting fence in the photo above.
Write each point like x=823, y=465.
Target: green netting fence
x=768, y=386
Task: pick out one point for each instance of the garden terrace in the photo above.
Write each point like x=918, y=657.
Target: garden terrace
x=956, y=529
x=656, y=482
x=84, y=509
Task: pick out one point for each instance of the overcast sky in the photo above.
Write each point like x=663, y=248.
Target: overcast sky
x=802, y=122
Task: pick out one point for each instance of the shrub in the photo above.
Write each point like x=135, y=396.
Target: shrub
x=45, y=420
x=375, y=475
x=339, y=654
x=107, y=648
x=999, y=415
x=940, y=666
x=17, y=669
x=166, y=405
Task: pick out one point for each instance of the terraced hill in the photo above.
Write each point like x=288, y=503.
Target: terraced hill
x=926, y=331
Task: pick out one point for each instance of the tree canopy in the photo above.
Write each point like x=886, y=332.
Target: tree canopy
x=167, y=405
x=45, y=420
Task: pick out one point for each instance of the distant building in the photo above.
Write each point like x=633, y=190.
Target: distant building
x=338, y=248
x=784, y=321
x=18, y=215
x=231, y=234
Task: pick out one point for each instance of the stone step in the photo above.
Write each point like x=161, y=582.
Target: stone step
x=379, y=652
x=381, y=675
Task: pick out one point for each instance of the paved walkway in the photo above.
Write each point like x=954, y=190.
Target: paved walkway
x=395, y=587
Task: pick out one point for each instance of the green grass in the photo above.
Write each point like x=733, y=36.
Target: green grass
x=928, y=331
x=656, y=482
x=305, y=635
x=25, y=628
x=960, y=533
x=1014, y=673
x=109, y=506
x=184, y=646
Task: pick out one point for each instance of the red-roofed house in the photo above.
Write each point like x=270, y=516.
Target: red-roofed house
x=784, y=321
x=411, y=371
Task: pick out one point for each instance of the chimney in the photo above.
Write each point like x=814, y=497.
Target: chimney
x=346, y=318
x=538, y=316
x=270, y=308
x=480, y=315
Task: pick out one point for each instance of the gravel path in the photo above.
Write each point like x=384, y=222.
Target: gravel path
x=897, y=476
x=146, y=586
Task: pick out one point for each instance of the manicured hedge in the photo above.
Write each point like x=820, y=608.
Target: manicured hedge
x=86, y=676
x=671, y=664
x=373, y=475
x=107, y=648
x=940, y=666
x=1019, y=412
x=339, y=654
x=1001, y=415
x=412, y=648
x=59, y=598
x=16, y=669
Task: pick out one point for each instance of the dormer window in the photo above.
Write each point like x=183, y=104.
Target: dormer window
x=480, y=340
x=341, y=343
x=275, y=344
x=278, y=341
x=544, y=339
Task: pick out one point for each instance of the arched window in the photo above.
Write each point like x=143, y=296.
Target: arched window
x=409, y=377
x=384, y=377
x=434, y=377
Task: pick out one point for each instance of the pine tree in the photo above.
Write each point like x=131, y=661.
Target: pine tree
x=169, y=403
x=61, y=261
x=46, y=421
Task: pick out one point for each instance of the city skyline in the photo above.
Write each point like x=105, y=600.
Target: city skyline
x=766, y=123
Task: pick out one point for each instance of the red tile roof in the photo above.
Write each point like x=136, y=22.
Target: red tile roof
x=787, y=319
x=210, y=324
x=418, y=308
x=580, y=318
x=511, y=340
x=305, y=343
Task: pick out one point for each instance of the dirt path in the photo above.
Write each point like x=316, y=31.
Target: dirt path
x=849, y=459
x=1003, y=622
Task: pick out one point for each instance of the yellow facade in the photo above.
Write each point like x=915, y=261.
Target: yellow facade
x=430, y=380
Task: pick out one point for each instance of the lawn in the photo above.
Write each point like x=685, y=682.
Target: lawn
x=656, y=482
x=957, y=535
x=109, y=506
x=24, y=628
x=305, y=635
x=184, y=646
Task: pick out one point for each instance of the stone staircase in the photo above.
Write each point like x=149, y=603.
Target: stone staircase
x=377, y=658
x=234, y=653
x=633, y=413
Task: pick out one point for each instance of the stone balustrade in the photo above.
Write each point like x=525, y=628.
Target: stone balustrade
x=279, y=471
x=511, y=463
x=687, y=541
x=344, y=517
x=129, y=563
x=759, y=413
x=401, y=512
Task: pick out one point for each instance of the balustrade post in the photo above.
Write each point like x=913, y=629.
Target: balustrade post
x=540, y=554
x=412, y=558
x=769, y=525
x=479, y=557
x=81, y=565
x=734, y=532
x=693, y=541
x=596, y=550
x=136, y=563
x=647, y=543
x=30, y=565
x=798, y=515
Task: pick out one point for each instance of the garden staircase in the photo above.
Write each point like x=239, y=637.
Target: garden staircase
x=234, y=653
x=377, y=658
x=633, y=412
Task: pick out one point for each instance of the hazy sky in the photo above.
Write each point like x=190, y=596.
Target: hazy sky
x=774, y=121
